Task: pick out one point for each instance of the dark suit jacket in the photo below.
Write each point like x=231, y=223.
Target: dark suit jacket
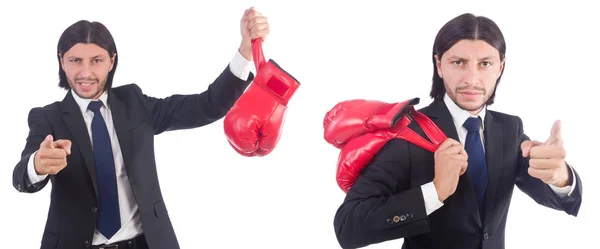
x=390, y=186
x=137, y=118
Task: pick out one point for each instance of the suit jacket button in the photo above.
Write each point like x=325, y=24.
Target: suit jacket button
x=94, y=210
x=19, y=187
x=409, y=216
x=87, y=243
x=486, y=236
x=389, y=221
x=402, y=217
x=396, y=219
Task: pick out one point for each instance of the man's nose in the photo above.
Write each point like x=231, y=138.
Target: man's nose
x=471, y=75
x=86, y=71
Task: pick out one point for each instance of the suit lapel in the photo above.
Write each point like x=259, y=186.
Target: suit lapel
x=121, y=123
x=73, y=118
x=494, y=143
x=438, y=112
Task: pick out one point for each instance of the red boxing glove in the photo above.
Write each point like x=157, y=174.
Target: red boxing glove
x=352, y=118
x=357, y=154
x=390, y=122
x=253, y=125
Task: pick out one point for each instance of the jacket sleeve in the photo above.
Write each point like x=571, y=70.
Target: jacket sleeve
x=381, y=205
x=541, y=192
x=195, y=110
x=39, y=128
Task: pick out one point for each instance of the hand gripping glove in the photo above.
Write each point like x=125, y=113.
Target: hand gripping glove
x=253, y=125
x=358, y=152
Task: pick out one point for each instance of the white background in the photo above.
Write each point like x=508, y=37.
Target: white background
x=338, y=50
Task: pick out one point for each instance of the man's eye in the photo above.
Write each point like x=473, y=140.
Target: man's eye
x=457, y=63
x=486, y=64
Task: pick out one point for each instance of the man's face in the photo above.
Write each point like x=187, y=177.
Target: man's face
x=470, y=70
x=86, y=67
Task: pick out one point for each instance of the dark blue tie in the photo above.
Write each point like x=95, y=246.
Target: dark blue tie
x=476, y=169
x=109, y=218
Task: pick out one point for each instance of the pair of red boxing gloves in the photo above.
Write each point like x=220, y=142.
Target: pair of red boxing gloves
x=360, y=128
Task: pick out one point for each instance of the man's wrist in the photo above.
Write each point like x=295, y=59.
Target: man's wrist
x=441, y=197
x=566, y=178
x=245, y=51
x=35, y=164
x=33, y=175
x=562, y=184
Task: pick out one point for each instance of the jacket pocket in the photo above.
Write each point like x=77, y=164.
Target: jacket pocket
x=160, y=209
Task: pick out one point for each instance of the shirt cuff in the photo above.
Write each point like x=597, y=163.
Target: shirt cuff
x=240, y=67
x=34, y=177
x=566, y=190
x=432, y=200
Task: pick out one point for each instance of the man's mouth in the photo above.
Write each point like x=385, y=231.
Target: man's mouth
x=470, y=92
x=86, y=86
x=85, y=83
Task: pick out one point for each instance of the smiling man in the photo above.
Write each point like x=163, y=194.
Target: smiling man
x=83, y=77
x=459, y=196
x=96, y=146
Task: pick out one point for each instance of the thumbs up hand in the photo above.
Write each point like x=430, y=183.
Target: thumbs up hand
x=51, y=158
x=547, y=160
x=555, y=136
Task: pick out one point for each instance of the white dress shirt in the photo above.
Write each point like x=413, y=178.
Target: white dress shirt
x=131, y=225
x=459, y=116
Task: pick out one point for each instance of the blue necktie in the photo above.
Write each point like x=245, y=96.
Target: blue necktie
x=109, y=220
x=476, y=168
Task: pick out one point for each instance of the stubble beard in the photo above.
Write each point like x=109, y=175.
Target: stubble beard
x=486, y=97
x=98, y=92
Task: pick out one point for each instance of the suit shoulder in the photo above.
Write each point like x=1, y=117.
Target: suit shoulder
x=394, y=148
x=424, y=109
x=131, y=88
x=47, y=109
x=41, y=116
x=510, y=122
x=505, y=117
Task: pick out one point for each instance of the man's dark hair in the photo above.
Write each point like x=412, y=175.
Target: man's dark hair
x=471, y=27
x=86, y=32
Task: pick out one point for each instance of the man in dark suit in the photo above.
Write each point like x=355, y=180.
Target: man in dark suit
x=96, y=146
x=459, y=196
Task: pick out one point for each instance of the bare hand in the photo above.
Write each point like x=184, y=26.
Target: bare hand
x=253, y=25
x=450, y=163
x=51, y=158
x=547, y=160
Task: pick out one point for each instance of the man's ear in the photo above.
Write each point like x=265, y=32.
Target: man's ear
x=62, y=61
x=438, y=65
x=112, y=61
x=501, y=67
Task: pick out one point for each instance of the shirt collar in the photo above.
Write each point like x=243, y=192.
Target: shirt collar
x=83, y=103
x=459, y=116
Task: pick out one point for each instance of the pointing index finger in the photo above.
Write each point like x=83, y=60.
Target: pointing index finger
x=63, y=144
x=527, y=145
